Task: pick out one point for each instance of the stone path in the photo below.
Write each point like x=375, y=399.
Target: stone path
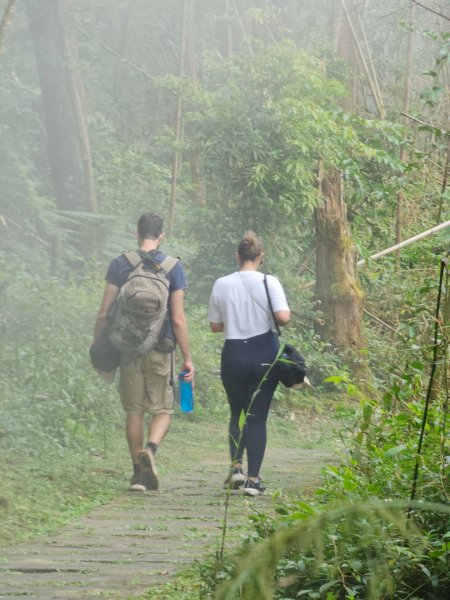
x=121, y=549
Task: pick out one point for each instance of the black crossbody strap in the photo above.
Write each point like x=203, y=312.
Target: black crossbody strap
x=270, y=305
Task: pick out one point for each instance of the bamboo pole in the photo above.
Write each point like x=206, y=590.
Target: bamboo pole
x=378, y=101
x=420, y=236
x=370, y=61
x=408, y=242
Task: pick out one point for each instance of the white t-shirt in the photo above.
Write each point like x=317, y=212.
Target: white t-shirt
x=239, y=301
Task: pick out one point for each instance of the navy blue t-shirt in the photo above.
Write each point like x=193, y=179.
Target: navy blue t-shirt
x=119, y=270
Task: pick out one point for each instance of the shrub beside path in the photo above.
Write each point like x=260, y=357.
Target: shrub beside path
x=139, y=540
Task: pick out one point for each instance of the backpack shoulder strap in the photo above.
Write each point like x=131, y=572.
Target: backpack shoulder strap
x=168, y=263
x=133, y=258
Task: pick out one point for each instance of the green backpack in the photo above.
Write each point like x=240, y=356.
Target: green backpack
x=138, y=320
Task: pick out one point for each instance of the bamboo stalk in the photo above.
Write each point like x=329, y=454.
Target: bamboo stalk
x=370, y=60
x=378, y=101
x=408, y=242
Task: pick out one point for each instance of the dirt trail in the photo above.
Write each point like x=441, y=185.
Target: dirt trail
x=140, y=540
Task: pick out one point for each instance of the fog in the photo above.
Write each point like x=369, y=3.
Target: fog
x=94, y=99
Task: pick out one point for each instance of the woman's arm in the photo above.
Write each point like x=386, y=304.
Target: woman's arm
x=282, y=317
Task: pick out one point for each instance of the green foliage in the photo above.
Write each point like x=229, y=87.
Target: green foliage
x=361, y=550
x=267, y=116
x=52, y=396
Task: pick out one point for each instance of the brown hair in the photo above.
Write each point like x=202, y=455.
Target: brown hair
x=250, y=247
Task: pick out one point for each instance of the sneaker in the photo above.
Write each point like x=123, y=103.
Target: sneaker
x=235, y=479
x=149, y=475
x=254, y=488
x=136, y=484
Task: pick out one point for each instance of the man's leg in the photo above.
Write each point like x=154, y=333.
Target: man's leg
x=132, y=395
x=159, y=403
x=158, y=428
x=134, y=429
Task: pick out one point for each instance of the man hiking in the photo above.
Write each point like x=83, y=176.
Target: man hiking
x=146, y=378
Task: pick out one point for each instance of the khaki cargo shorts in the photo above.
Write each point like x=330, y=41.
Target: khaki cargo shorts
x=144, y=384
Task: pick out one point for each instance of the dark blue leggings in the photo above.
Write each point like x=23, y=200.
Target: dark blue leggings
x=244, y=364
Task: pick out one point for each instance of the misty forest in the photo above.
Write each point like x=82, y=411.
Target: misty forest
x=323, y=126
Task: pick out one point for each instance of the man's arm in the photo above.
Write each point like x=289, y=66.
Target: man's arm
x=216, y=327
x=109, y=295
x=180, y=330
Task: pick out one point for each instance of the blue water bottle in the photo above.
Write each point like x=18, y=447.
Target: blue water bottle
x=186, y=393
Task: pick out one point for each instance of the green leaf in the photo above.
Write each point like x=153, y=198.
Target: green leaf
x=394, y=451
x=326, y=586
x=242, y=419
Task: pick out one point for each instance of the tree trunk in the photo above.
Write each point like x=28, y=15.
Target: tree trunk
x=333, y=25
x=176, y=155
x=191, y=70
x=337, y=286
x=63, y=156
x=6, y=18
x=230, y=45
x=188, y=66
x=406, y=101
x=342, y=39
x=79, y=105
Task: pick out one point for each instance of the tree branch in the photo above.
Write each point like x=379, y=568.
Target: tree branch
x=443, y=131
x=431, y=10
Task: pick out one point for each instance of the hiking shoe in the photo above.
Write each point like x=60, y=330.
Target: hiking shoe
x=235, y=479
x=136, y=484
x=254, y=488
x=149, y=475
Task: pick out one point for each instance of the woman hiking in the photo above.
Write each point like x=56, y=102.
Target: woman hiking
x=239, y=307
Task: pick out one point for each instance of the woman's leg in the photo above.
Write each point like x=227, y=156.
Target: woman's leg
x=256, y=435
x=233, y=380
x=244, y=366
